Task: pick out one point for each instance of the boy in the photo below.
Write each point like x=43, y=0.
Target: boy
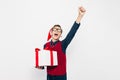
x=59, y=72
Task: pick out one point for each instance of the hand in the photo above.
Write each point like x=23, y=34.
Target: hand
x=81, y=11
x=40, y=67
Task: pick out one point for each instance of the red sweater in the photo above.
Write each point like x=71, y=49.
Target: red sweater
x=61, y=68
x=60, y=47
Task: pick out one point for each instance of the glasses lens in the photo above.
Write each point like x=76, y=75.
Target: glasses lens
x=55, y=29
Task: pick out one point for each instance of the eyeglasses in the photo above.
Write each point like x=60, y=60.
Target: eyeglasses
x=56, y=29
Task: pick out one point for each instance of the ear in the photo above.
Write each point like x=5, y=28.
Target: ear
x=50, y=32
x=49, y=35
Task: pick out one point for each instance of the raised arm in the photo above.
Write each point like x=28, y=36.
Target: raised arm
x=81, y=13
x=74, y=29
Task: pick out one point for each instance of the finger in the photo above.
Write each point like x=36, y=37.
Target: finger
x=82, y=9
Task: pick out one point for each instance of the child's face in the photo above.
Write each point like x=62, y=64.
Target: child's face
x=56, y=33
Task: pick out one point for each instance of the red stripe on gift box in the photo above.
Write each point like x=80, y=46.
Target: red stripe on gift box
x=51, y=57
x=36, y=57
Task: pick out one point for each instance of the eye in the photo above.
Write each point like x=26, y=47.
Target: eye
x=55, y=29
x=59, y=30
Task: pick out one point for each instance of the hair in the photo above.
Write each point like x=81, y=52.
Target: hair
x=58, y=26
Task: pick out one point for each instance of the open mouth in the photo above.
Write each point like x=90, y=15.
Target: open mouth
x=55, y=34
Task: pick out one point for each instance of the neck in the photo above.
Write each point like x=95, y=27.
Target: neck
x=54, y=40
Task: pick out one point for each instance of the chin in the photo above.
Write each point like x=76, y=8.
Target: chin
x=56, y=38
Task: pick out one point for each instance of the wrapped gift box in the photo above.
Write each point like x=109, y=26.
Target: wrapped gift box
x=46, y=58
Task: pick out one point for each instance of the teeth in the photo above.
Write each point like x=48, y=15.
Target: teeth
x=56, y=34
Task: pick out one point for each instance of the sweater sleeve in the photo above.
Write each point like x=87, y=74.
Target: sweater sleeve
x=70, y=36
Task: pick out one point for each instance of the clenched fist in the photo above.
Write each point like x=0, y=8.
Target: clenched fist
x=81, y=11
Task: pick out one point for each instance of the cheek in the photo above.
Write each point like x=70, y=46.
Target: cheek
x=59, y=35
x=51, y=33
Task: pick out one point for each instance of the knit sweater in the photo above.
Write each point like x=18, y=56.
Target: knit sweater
x=60, y=47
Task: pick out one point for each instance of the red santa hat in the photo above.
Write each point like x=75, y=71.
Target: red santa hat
x=49, y=35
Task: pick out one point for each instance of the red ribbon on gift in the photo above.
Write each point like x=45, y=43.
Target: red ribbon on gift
x=36, y=57
x=51, y=57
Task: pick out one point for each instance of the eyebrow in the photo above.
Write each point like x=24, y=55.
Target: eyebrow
x=56, y=28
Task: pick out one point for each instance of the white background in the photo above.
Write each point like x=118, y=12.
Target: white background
x=94, y=53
